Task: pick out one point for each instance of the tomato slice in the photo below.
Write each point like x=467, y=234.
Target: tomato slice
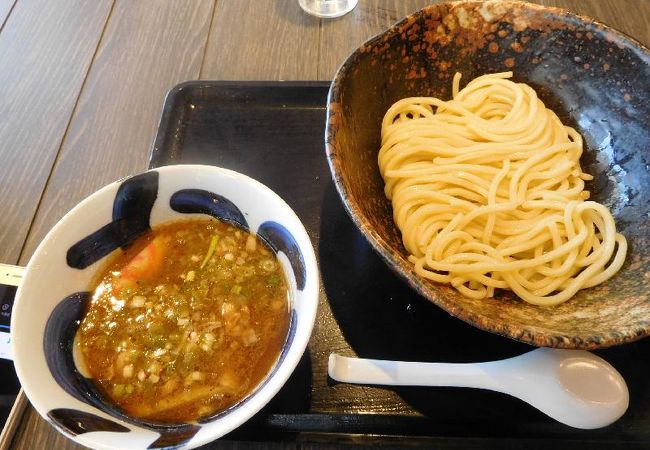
x=144, y=266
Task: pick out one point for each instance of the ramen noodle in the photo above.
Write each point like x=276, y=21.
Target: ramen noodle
x=488, y=193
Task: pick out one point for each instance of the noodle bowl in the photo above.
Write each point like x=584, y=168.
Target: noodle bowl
x=488, y=193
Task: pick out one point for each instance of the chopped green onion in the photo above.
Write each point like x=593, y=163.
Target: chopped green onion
x=119, y=390
x=211, y=249
x=236, y=289
x=273, y=280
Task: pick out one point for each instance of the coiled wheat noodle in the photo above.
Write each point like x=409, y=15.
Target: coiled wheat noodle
x=488, y=193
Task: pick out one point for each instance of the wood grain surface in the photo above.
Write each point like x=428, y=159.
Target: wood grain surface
x=144, y=52
x=43, y=67
x=82, y=84
x=340, y=37
x=261, y=40
x=5, y=9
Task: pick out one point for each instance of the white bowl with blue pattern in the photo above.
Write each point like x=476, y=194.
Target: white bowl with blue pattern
x=52, y=297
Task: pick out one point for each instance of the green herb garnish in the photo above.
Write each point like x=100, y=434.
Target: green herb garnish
x=211, y=249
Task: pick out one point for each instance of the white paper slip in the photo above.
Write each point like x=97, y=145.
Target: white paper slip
x=11, y=275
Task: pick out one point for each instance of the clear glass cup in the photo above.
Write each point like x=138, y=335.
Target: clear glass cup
x=327, y=8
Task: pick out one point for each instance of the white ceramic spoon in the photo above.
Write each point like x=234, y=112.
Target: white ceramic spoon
x=574, y=387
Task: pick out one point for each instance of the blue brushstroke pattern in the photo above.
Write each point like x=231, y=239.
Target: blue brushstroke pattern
x=76, y=422
x=198, y=201
x=131, y=213
x=281, y=240
x=175, y=438
x=58, y=342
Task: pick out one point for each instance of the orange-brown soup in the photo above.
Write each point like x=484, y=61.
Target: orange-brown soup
x=186, y=322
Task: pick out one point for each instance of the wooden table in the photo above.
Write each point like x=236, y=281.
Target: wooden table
x=82, y=84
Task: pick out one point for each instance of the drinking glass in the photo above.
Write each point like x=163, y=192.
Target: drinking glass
x=327, y=8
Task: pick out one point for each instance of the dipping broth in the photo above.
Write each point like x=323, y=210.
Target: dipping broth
x=186, y=322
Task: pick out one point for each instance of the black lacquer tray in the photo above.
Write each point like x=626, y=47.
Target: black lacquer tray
x=273, y=132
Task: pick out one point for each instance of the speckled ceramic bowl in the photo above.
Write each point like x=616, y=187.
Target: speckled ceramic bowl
x=595, y=78
x=53, y=294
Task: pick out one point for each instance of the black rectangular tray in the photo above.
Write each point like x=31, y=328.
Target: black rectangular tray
x=274, y=132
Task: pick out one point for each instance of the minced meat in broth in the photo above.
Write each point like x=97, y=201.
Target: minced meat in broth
x=186, y=321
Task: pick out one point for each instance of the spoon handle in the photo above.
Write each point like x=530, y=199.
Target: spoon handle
x=403, y=373
x=574, y=387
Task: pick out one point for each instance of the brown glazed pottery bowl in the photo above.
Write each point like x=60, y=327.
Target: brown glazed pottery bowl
x=595, y=78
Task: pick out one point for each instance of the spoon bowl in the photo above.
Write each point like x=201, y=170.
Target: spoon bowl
x=574, y=387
